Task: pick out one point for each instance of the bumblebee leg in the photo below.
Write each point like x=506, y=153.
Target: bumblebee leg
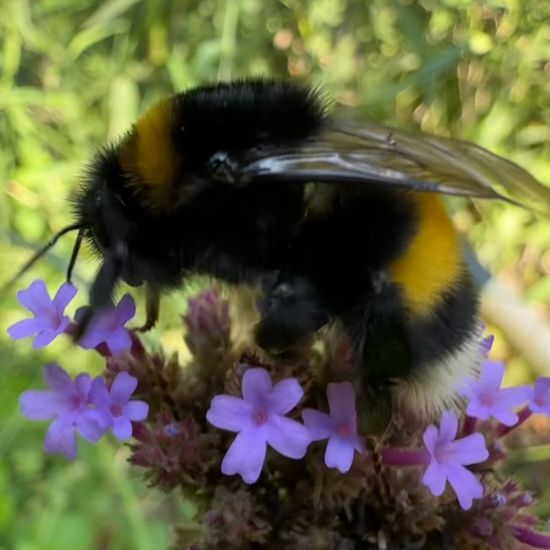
x=291, y=310
x=152, y=308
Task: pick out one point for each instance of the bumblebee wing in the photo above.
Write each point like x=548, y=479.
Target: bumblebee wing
x=388, y=157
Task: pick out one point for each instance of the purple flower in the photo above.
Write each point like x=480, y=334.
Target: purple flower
x=116, y=406
x=49, y=319
x=340, y=427
x=449, y=456
x=67, y=402
x=540, y=397
x=487, y=344
x=259, y=420
x=107, y=327
x=486, y=398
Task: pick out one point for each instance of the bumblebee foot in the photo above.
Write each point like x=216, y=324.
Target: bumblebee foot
x=152, y=308
x=291, y=312
x=146, y=327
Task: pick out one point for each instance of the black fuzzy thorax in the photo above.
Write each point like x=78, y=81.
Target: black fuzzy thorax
x=240, y=116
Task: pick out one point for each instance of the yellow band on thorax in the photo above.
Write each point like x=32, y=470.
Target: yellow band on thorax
x=150, y=154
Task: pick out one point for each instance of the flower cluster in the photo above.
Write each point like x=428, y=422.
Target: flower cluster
x=81, y=406
x=49, y=320
x=412, y=481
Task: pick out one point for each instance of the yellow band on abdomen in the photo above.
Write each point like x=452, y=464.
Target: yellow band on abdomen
x=433, y=259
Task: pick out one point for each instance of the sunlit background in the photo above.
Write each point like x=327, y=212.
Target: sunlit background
x=75, y=73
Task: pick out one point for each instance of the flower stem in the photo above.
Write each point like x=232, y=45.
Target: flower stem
x=404, y=457
x=532, y=538
x=523, y=415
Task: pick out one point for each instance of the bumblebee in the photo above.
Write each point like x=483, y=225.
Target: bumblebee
x=252, y=182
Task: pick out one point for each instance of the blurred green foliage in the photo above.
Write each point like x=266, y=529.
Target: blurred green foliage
x=75, y=73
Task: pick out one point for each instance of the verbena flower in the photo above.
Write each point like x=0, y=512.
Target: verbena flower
x=259, y=418
x=115, y=404
x=487, y=345
x=107, y=327
x=449, y=456
x=540, y=396
x=49, y=315
x=340, y=426
x=67, y=402
x=487, y=399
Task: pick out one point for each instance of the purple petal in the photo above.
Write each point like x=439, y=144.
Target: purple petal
x=25, y=328
x=256, y=385
x=492, y=374
x=125, y=309
x=63, y=296
x=487, y=344
x=339, y=454
x=448, y=427
x=119, y=342
x=319, y=425
x=542, y=388
x=359, y=444
x=89, y=340
x=61, y=438
x=136, y=411
x=467, y=450
x=430, y=438
x=288, y=437
x=35, y=298
x=63, y=324
x=104, y=321
x=477, y=409
x=92, y=425
x=44, y=338
x=435, y=478
x=123, y=387
x=341, y=401
x=515, y=396
x=540, y=396
x=246, y=456
x=57, y=378
x=285, y=395
x=83, y=384
x=465, y=485
x=507, y=400
x=122, y=428
x=92, y=337
x=41, y=405
x=229, y=413
x=99, y=394
x=504, y=415
x=501, y=404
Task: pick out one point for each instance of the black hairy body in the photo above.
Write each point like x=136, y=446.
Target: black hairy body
x=253, y=183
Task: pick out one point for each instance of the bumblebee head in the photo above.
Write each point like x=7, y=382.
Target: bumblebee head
x=124, y=233
x=106, y=216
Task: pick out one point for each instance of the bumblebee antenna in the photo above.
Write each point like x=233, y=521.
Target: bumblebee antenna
x=39, y=253
x=74, y=254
